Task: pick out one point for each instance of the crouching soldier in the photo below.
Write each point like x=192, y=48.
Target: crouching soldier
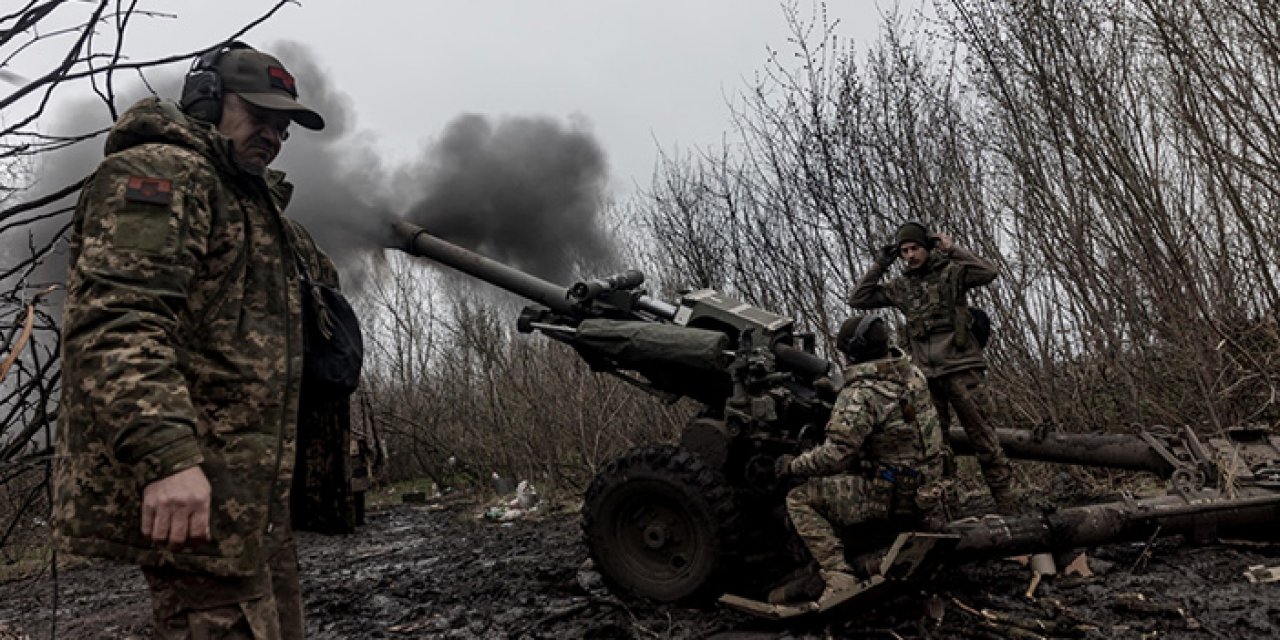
x=882, y=457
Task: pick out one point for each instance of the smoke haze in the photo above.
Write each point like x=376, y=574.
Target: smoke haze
x=527, y=191
x=341, y=194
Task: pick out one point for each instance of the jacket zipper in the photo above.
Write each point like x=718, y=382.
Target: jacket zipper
x=278, y=218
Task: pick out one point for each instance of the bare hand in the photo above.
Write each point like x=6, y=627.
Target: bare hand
x=175, y=508
x=944, y=241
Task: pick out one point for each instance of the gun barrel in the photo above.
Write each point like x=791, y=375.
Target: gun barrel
x=1116, y=451
x=417, y=242
x=801, y=361
x=1088, y=525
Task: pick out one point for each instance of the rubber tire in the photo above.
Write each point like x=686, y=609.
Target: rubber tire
x=660, y=524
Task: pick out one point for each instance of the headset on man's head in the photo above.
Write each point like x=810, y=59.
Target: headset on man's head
x=202, y=88
x=858, y=341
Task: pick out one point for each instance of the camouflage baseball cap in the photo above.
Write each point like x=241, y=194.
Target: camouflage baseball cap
x=261, y=80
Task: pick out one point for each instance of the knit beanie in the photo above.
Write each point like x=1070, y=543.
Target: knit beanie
x=912, y=232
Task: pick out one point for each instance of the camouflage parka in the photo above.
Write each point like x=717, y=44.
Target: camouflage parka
x=883, y=415
x=933, y=301
x=182, y=345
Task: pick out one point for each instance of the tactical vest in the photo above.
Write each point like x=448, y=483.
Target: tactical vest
x=935, y=303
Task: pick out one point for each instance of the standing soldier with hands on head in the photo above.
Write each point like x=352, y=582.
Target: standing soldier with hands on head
x=183, y=351
x=931, y=294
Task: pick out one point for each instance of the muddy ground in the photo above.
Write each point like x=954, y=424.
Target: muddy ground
x=431, y=571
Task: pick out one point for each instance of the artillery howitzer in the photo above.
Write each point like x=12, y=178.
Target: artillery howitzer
x=675, y=522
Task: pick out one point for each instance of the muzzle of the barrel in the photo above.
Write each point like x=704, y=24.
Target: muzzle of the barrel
x=416, y=241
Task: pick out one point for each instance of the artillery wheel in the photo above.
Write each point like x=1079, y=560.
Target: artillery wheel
x=660, y=524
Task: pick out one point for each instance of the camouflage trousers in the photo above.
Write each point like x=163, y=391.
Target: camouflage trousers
x=820, y=505
x=966, y=392
x=266, y=606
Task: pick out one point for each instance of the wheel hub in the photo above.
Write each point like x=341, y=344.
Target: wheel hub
x=655, y=536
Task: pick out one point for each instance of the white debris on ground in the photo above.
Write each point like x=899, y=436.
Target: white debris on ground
x=523, y=504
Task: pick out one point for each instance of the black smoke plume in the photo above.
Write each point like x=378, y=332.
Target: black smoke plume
x=524, y=191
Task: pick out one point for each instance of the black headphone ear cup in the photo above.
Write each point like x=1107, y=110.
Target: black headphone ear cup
x=202, y=88
x=859, y=340
x=202, y=95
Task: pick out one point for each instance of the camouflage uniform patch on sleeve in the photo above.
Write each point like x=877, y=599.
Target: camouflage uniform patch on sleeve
x=144, y=219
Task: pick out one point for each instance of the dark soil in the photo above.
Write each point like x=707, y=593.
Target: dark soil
x=433, y=572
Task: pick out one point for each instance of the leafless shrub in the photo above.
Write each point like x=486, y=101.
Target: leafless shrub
x=448, y=378
x=1116, y=159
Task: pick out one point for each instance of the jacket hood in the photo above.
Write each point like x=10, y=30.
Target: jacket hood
x=157, y=121
x=896, y=367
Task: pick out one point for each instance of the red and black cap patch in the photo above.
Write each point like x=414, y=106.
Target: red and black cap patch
x=280, y=79
x=149, y=190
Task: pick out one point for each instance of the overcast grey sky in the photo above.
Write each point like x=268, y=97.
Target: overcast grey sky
x=558, y=107
x=642, y=73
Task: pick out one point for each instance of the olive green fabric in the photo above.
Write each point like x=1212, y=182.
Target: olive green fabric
x=966, y=392
x=933, y=300
x=182, y=346
x=884, y=414
x=646, y=344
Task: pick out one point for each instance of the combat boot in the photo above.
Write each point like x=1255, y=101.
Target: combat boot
x=805, y=587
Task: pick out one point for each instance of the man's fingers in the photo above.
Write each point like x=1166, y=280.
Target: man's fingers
x=178, y=529
x=200, y=524
x=148, y=516
x=175, y=508
x=160, y=529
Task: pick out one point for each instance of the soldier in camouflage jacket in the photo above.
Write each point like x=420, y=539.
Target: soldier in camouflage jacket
x=881, y=457
x=931, y=294
x=182, y=355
